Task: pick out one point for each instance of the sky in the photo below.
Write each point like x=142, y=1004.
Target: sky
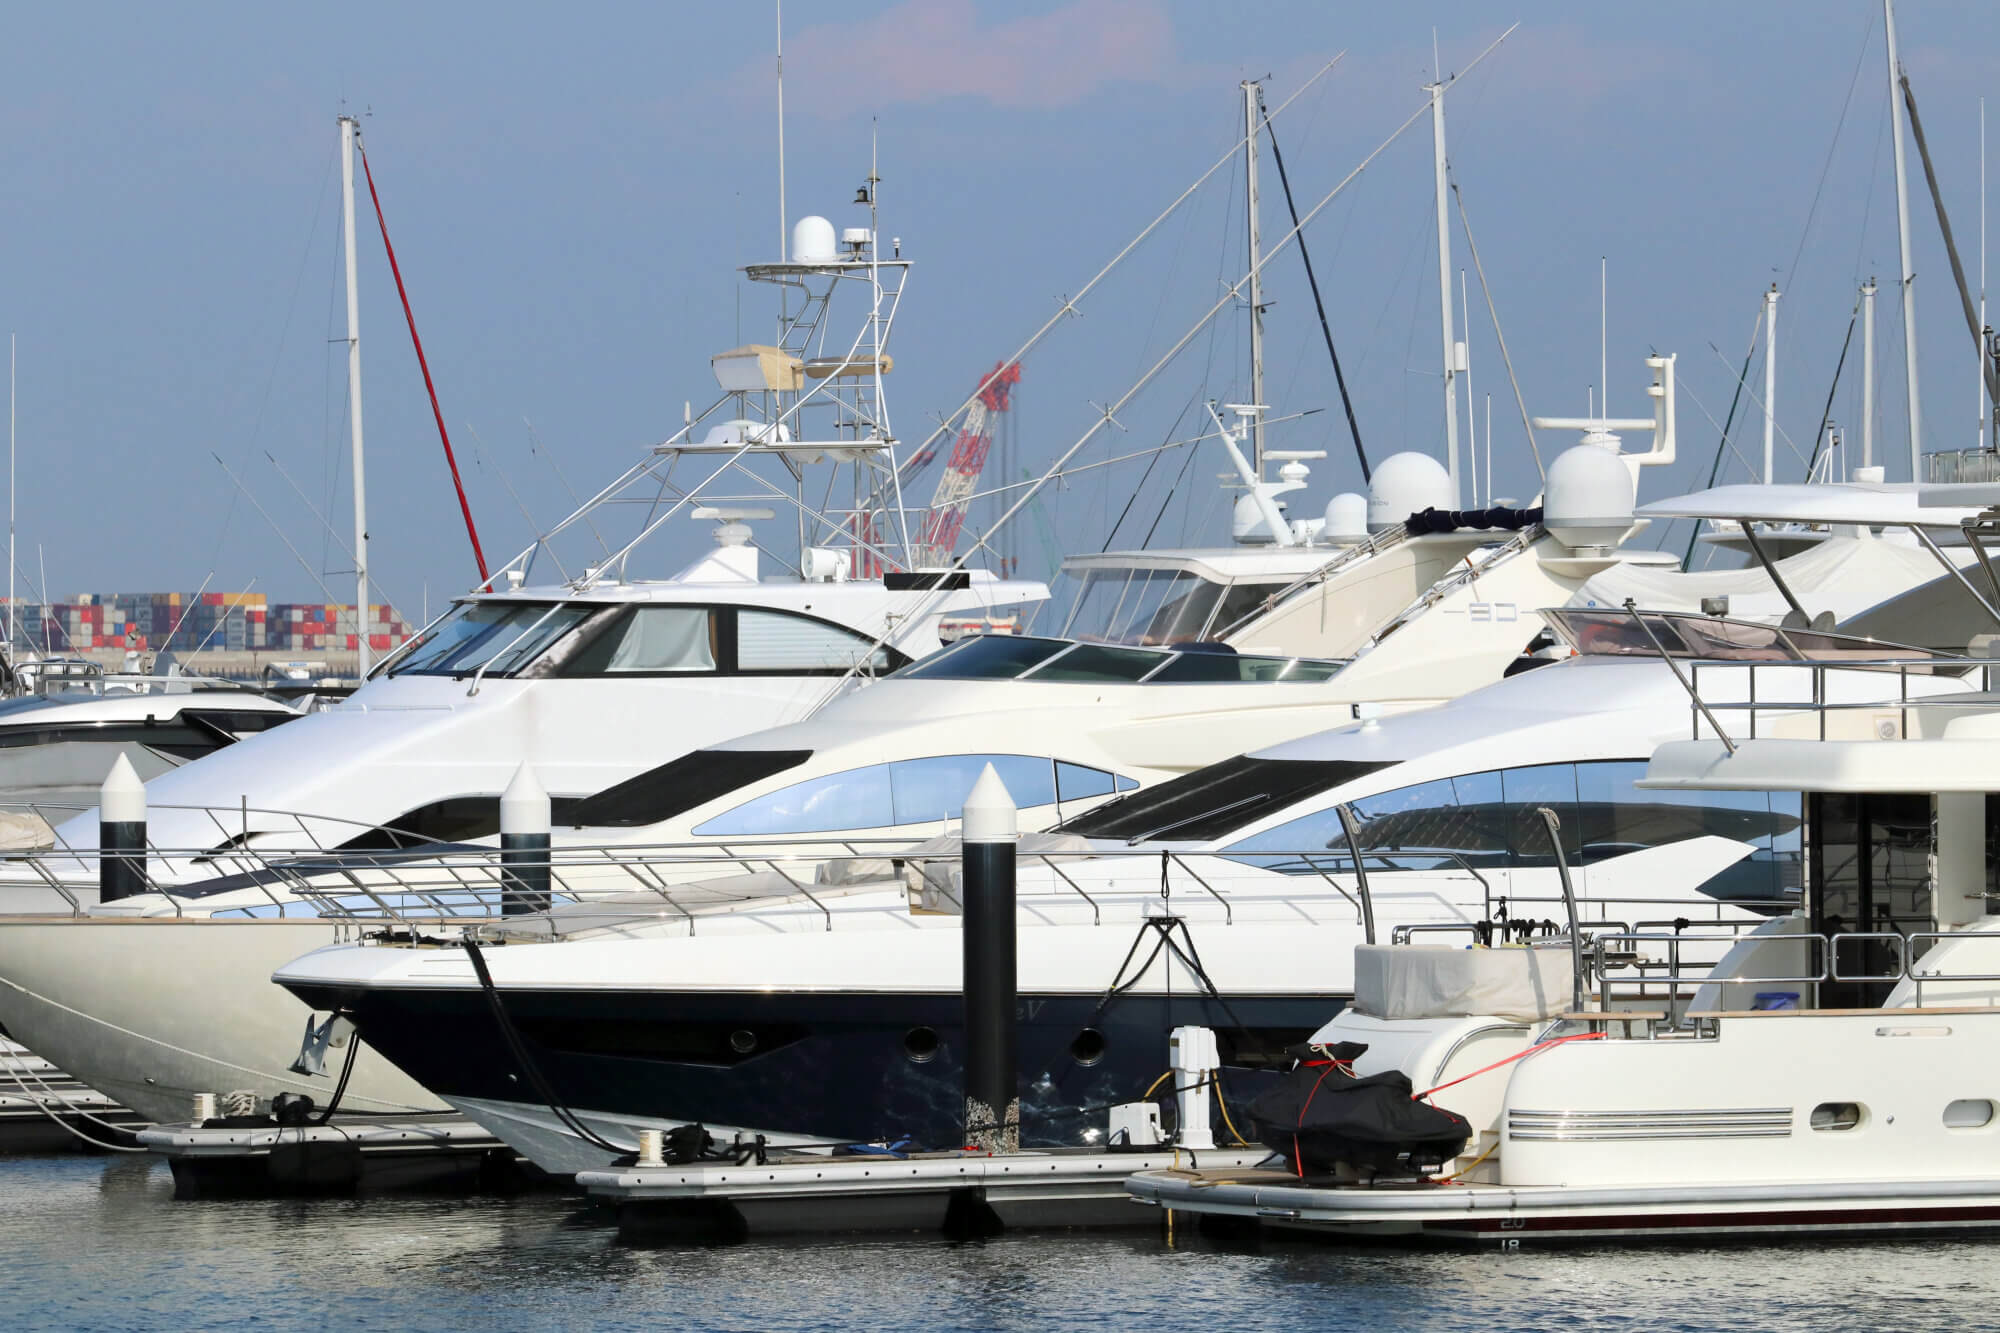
x=572, y=191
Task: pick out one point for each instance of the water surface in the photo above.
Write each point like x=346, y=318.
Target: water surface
x=91, y=1243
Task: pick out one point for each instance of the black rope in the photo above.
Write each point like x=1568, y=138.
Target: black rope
x=1715, y=468
x=1298, y=233
x=346, y=1072
x=1826, y=413
x=526, y=1061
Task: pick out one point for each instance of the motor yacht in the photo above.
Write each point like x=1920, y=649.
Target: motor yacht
x=1830, y=1076
x=72, y=720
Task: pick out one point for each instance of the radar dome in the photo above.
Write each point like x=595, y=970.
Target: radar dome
x=1587, y=501
x=1406, y=484
x=1346, y=518
x=812, y=241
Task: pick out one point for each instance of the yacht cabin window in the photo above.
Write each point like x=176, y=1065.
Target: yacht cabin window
x=1490, y=821
x=1211, y=802
x=663, y=638
x=908, y=791
x=775, y=641
x=544, y=639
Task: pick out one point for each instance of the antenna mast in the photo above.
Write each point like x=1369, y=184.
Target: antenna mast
x=1256, y=290
x=1436, y=91
x=784, y=224
x=1909, y=278
x=348, y=126
x=1770, y=383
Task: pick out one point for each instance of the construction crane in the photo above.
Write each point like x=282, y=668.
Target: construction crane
x=945, y=519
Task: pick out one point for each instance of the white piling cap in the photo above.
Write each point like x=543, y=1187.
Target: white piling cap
x=122, y=798
x=990, y=815
x=524, y=806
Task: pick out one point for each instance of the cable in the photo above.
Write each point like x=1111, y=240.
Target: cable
x=1353, y=427
x=346, y=1071
x=521, y=1056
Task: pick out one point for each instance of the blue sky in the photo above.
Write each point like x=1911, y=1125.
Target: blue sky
x=571, y=192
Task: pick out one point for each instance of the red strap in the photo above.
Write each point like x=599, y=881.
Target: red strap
x=451, y=462
x=1518, y=1055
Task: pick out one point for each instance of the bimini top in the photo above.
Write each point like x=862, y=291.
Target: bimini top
x=1878, y=504
x=1599, y=633
x=1022, y=657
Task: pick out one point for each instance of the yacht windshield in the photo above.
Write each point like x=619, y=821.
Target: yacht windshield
x=1157, y=606
x=1011, y=657
x=501, y=636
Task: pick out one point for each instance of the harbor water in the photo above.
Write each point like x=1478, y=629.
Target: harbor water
x=100, y=1244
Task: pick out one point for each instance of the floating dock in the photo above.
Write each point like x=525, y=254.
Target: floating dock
x=239, y=1157
x=959, y=1193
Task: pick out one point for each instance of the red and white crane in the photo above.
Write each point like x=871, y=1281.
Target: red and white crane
x=945, y=519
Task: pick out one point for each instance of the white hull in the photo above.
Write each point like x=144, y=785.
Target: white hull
x=152, y=1012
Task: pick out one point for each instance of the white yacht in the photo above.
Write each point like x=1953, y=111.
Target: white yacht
x=1227, y=897
x=592, y=672
x=1832, y=1075
x=61, y=735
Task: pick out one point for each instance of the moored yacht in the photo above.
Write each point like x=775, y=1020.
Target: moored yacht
x=1831, y=1075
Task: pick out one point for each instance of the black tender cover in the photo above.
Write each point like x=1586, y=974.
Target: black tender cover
x=1320, y=1115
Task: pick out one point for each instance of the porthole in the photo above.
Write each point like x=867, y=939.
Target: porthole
x=920, y=1045
x=1087, y=1047
x=1836, y=1115
x=742, y=1041
x=1968, y=1113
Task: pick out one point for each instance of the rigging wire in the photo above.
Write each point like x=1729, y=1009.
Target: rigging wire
x=1285, y=180
x=1722, y=443
x=1826, y=413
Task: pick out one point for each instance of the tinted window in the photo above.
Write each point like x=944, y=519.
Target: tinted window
x=931, y=790
x=1091, y=661
x=691, y=780
x=986, y=657
x=1211, y=802
x=909, y=791
x=1074, y=782
x=454, y=819
x=1491, y=820
x=772, y=641
x=857, y=799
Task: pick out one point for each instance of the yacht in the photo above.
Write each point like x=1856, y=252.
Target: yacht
x=1830, y=1076
x=1229, y=897
x=594, y=668
x=71, y=721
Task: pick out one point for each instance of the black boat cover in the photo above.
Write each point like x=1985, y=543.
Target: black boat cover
x=1321, y=1115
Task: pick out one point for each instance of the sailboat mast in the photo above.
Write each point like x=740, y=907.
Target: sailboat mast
x=1444, y=290
x=348, y=128
x=1770, y=384
x=1868, y=373
x=1909, y=278
x=1255, y=236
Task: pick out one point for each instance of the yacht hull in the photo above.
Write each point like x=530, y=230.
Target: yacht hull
x=821, y=1068
x=152, y=1011
x=1513, y=1217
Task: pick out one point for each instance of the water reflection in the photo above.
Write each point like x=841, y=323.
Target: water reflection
x=103, y=1245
